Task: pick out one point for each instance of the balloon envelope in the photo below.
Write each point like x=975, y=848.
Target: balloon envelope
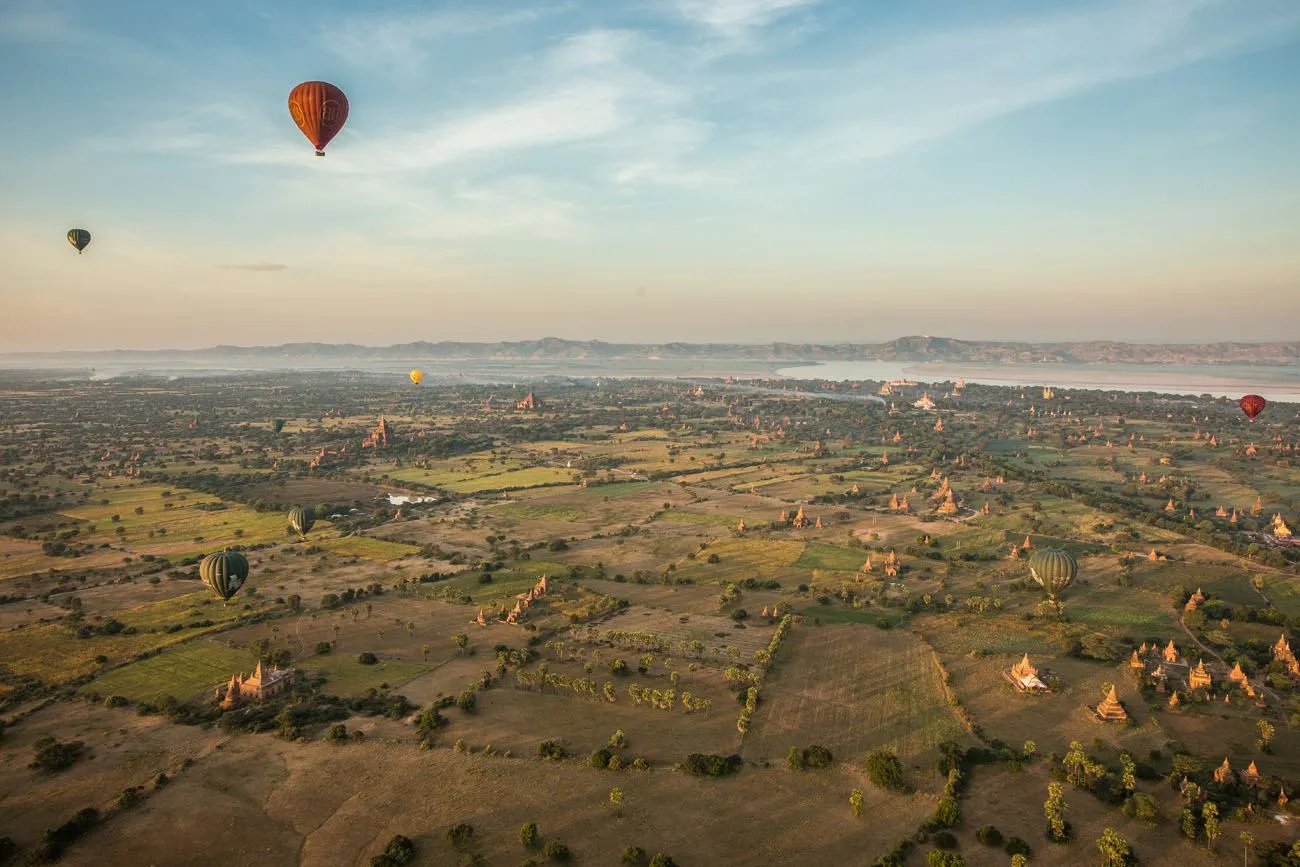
x=319, y=109
x=278, y=424
x=225, y=572
x=302, y=519
x=417, y=376
x=78, y=238
x=1053, y=569
x=1252, y=405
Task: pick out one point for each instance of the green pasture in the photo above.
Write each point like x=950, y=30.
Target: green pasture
x=374, y=550
x=184, y=672
x=345, y=676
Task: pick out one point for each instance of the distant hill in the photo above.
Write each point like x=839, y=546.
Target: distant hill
x=914, y=349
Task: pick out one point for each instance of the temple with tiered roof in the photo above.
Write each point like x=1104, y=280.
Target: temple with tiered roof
x=1110, y=710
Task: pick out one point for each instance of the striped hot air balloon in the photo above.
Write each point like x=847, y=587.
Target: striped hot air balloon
x=319, y=109
x=302, y=519
x=78, y=238
x=224, y=572
x=1053, y=569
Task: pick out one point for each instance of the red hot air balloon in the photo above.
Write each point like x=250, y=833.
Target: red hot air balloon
x=1252, y=405
x=320, y=110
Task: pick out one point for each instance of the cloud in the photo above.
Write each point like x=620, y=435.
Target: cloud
x=406, y=39
x=734, y=19
x=256, y=266
x=936, y=85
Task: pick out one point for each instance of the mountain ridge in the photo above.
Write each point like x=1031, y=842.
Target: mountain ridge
x=913, y=348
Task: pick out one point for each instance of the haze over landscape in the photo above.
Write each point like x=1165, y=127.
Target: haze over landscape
x=699, y=170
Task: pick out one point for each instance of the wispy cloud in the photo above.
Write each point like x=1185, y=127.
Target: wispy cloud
x=933, y=86
x=734, y=19
x=406, y=38
x=256, y=266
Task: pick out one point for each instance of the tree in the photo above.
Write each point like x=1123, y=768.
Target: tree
x=528, y=835
x=1054, y=810
x=885, y=769
x=1128, y=775
x=794, y=759
x=633, y=855
x=855, y=802
x=935, y=858
x=462, y=642
x=1115, y=851
x=1210, y=813
x=1266, y=732
x=1019, y=861
x=1028, y=750
x=1076, y=764
x=616, y=800
x=662, y=860
x=1247, y=841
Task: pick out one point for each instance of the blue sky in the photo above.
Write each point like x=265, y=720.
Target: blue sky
x=746, y=170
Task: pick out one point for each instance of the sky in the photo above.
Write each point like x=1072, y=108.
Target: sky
x=650, y=170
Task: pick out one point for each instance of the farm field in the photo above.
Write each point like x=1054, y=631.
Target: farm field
x=854, y=689
x=654, y=590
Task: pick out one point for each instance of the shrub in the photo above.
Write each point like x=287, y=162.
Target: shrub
x=467, y=701
x=713, y=765
x=885, y=769
x=528, y=834
x=662, y=860
x=551, y=750
x=400, y=850
x=600, y=758
x=817, y=757
x=989, y=836
x=324, y=648
x=53, y=756
x=367, y=658
x=557, y=851
x=460, y=835
x=1016, y=846
x=633, y=855
x=945, y=840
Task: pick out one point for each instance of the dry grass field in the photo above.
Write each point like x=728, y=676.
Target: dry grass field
x=852, y=689
x=326, y=805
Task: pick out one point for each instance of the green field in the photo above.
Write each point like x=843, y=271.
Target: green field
x=179, y=525
x=818, y=555
x=185, y=672
x=375, y=550
x=346, y=677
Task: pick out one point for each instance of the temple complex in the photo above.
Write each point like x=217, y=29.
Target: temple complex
x=524, y=601
x=1110, y=710
x=261, y=684
x=1199, y=678
x=1025, y=676
x=530, y=403
x=925, y=402
x=1282, y=653
x=378, y=437
x=1224, y=775
x=1197, y=599
x=800, y=520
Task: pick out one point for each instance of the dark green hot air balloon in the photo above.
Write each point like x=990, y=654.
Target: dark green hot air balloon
x=278, y=424
x=1053, y=569
x=302, y=519
x=225, y=572
x=78, y=238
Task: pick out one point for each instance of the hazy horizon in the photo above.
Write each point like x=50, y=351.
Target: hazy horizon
x=740, y=171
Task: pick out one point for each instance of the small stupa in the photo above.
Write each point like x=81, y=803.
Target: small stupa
x=1110, y=710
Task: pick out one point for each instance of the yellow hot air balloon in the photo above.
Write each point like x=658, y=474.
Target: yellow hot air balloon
x=417, y=376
